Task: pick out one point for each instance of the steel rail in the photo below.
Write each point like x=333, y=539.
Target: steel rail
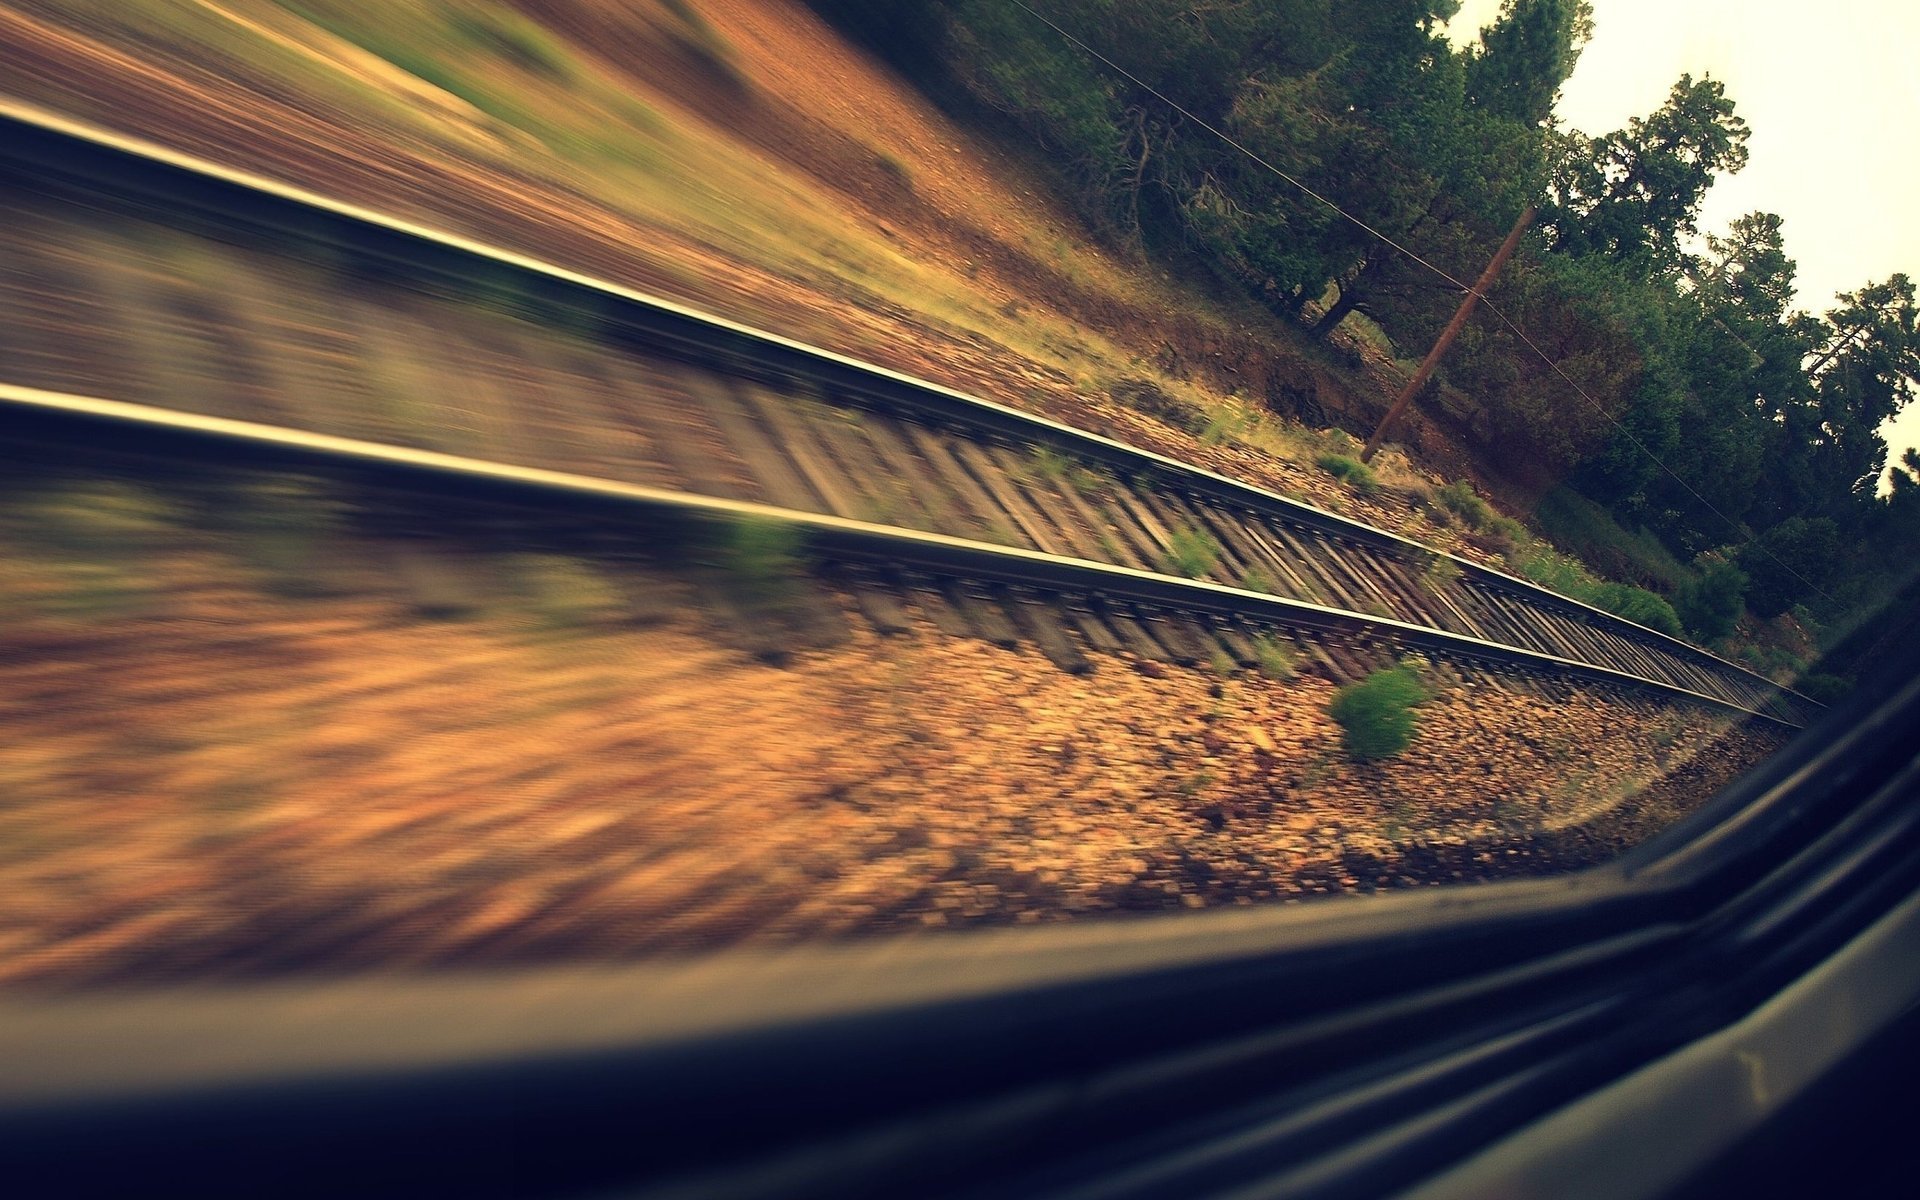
x=30, y=414
x=231, y=199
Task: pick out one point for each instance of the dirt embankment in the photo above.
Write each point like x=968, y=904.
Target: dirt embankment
x=1003, y=281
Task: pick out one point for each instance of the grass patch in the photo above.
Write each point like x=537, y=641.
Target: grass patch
x=1463, y=504
x=1350, y=471
x=1192, y=554
x=1376, y=715
x=1581, y=527
x=765, y=561
x=1557, y=572
x=1277, y=659
x=1440, y=574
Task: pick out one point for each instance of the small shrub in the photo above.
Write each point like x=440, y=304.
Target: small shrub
x=1222, y=426
x=1376, y=715
x=280, y=527
x=1146, y=396
x=1350, y=471
x=1459, y=499
x=1192, y=554
x=1637, y=605
x=1044, y=462
x=100, y=518
x=1499, y=535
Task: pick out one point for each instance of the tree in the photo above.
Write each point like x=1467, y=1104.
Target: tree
x=1861, y=368
x=1525, y=56
x=1635, y=194
x=1789, y=563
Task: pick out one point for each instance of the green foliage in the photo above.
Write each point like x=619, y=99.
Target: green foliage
x=104, y=518
x=1257, y=580
x=1786, y=564
x=1637, y=605
x=1556, y=572
x=1500, y=535
x=1191, y=553
x=1459, y=499
x=1376, y=715
x=1440, y=574
x=1350, y=471
x=1222, y=663
x=765, y=558
x=1710, y=603
x=1277, y=659
x=1222, y=426
x=1587, y=530
x=279, y=525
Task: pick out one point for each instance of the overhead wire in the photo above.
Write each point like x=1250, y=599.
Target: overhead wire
x=1303, y=187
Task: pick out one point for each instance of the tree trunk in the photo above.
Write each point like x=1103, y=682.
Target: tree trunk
x=1349, y=300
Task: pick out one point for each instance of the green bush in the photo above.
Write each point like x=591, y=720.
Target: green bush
x=1376, y=715
x=1637, y=605
x=1350, y=471
x=1710, y=603
x=1460, y=499
x=1786, y=564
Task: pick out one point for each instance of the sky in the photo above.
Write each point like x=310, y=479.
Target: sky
x=1831, y=92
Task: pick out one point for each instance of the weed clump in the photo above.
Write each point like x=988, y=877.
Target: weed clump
x=1276, y=658
x=1376, y=715
x=1350, y=471
x=1460, y=501
x=1192, y=554
x=1638, y=605
x=764, y=557
x=1440, y=574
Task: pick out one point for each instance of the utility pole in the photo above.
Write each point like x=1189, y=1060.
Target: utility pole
x=1447, y=335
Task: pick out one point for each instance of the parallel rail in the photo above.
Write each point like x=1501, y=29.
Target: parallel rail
x=1122, y=596
x=799, y=458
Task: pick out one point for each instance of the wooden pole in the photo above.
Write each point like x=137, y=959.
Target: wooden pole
x=1447, y=335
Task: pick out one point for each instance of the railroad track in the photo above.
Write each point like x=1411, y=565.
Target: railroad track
x=993, y=522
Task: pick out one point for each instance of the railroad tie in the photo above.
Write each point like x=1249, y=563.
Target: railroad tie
x=1041, y=621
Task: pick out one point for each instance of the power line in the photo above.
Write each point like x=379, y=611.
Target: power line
x=1215, y=131
x=1507, y=321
